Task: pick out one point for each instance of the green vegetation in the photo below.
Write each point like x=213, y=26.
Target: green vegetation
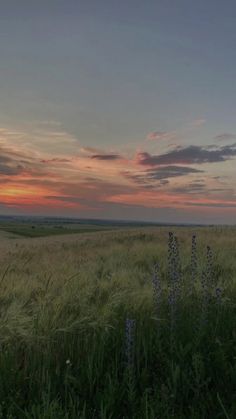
x=88, y=331
x=30, y=229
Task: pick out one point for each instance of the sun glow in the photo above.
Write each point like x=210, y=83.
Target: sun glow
x=24, y=191
x=23, y=195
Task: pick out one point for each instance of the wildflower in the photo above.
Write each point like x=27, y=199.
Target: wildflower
x=170, y=254
x=129, y=341
x=205, y=298
x=177, y=266
x=193, y=262
x=209, y=267
x=174, y=268
x=68, y=363
x=156, y=285
x=204, y=281
x=174, y=264
x=218, y=295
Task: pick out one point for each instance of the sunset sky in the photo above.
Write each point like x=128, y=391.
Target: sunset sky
x=119, y=109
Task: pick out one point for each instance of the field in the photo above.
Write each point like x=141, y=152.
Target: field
x=129, y=323
x=38, y=228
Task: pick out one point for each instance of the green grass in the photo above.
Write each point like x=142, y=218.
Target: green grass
x=62, y=329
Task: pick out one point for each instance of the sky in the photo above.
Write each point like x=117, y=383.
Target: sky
x=119, y=109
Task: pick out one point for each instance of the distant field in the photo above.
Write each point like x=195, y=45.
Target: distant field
x=29, y=229
x=118, y=324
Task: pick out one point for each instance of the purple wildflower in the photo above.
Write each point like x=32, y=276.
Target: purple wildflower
x=209, y=268
x=156, y=285
x=129, y=341
x=193, y=262
x=174, y=271
x=218, y=295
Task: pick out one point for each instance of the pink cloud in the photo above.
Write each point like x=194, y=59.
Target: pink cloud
x=160, y=135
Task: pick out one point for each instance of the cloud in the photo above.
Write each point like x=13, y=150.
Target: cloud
x=9, y=166
x=153, y=177
x=225, y=136
x=191, y=188
x=40, y=140
x=10, y=171
x=188, y=155
x=49, y=171
x=56, y=160
x=171, y=171
x=106, y=157
x=90, y=192
x=160, y=135
x=99, y=154
x=20, y=163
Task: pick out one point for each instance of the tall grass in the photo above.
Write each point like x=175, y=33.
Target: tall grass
x=122, y=325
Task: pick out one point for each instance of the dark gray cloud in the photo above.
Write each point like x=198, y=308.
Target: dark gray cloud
x=191, y=188
x=56, y=160
x=171, y=171
x=9, y=167
x=189, y=155
x=160, y=174
x=14, y=162
x=106, y=157
x=10, y=171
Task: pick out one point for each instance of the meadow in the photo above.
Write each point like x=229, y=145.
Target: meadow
x=40, y=228
x=122, y=324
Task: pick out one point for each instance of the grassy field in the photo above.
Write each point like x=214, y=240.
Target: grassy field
x=124, y=324
x=40, y=229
